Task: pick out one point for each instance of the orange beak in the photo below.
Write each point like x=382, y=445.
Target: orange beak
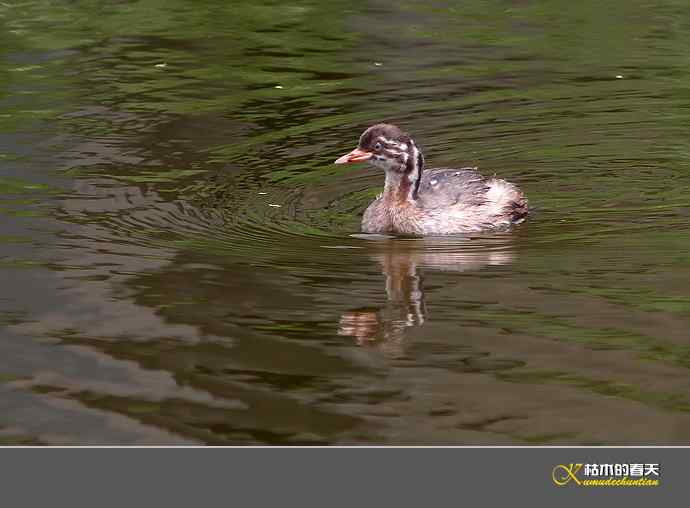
x=356, y=155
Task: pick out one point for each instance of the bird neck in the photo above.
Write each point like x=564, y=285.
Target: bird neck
x=402, y=183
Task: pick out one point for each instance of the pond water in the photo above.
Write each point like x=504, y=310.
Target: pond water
x=180, y=260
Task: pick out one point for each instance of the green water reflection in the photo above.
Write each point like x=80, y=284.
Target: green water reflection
x=179, y=256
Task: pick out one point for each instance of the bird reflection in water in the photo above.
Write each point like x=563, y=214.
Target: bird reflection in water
x=403, y=263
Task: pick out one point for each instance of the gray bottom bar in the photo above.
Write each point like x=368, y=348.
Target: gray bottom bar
x=343, y=477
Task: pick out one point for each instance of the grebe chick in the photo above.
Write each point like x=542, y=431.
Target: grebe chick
x=438, y=201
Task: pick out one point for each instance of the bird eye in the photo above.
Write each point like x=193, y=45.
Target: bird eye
x=377, y=146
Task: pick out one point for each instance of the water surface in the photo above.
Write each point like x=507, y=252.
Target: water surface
x=180, y=260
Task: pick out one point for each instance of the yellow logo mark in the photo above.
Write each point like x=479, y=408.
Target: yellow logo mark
x=562, y=474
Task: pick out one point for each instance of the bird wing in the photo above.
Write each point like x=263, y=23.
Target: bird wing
x=443, y=187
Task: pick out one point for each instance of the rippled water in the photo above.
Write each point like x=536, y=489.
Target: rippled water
x=180, y=259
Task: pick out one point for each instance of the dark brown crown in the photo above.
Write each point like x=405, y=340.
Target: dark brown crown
x=391, y=132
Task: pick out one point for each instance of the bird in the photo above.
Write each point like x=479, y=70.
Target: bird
x=436, y=201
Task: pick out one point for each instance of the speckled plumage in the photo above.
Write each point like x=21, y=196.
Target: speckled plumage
x=437, y=201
